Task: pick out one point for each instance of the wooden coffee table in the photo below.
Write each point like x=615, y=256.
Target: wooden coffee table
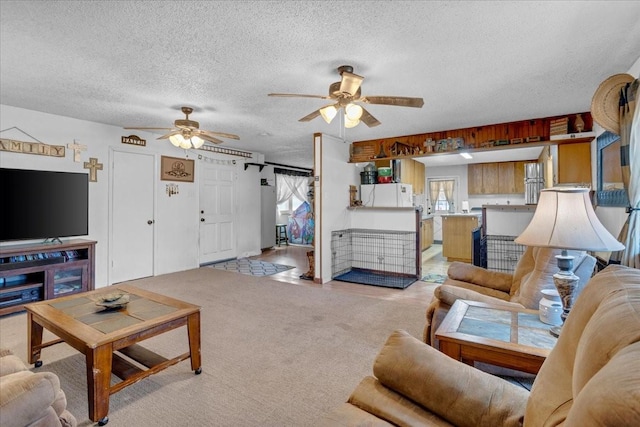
x=105, y=337
x=503, y=336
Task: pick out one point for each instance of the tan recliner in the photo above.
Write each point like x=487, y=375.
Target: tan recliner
x=533, y=273
x=591, y=377
x=30, y=399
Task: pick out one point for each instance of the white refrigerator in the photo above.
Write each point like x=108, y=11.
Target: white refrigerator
x=386, y=195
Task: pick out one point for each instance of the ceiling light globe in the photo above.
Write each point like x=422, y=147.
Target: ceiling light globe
x=348, y=123
x=176, y=140
x=186, y=144
x=197, y=141
x=353, y=111
x=328, y=113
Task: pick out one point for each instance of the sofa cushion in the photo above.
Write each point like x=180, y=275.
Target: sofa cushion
x=592, y=376
x=26, y=397
x=458, y=393
x=10, y=364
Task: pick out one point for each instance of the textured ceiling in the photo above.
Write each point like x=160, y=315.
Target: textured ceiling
x=135, y=63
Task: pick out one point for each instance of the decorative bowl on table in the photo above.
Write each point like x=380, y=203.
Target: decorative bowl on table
x=113, y=300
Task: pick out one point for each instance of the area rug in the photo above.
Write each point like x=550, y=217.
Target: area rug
x=251, y=267
x=434, y=278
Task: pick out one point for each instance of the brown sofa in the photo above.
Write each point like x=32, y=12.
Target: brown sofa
x=30, y=399
x=533, y=273
x=591, y=377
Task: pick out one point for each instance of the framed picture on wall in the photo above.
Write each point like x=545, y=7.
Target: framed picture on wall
x=176, y=169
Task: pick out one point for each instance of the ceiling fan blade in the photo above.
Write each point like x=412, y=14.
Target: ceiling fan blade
x=297, y=95
x=210, y=138
x=310, y=117
x=223, y=135
x=400, y=101
x=143, y=128
x=368, y=119
x=350, y=83
x=174, y=132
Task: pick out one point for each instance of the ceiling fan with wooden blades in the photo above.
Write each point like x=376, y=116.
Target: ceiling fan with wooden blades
x=187, y=133
x=346, y=95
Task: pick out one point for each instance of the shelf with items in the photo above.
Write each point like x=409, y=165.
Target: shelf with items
x=42, y=271
x=524, y=133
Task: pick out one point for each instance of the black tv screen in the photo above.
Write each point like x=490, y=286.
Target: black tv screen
x=37, y=204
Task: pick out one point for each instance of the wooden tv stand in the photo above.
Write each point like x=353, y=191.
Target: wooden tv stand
x=42, y=271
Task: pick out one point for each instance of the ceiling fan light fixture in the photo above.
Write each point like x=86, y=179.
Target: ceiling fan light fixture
x=348, y=123
x=197, y=141
x=176, y=140
x=353, y=111
x=328, y=113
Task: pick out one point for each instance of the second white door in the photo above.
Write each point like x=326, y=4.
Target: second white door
x=217, y=209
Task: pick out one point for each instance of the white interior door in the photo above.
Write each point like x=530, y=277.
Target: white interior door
x=217, y=208
x=132, y=221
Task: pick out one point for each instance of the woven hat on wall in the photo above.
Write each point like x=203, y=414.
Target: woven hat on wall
x=605, y=102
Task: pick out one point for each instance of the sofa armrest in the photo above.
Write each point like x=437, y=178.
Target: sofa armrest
x=26, y=398
x=458, y=393
x=449, y=294
x=374, y=398
x=480, y=276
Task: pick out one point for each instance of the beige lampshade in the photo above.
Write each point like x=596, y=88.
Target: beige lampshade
x=565, y=219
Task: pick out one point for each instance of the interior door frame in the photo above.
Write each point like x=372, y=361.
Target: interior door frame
x=156, y=177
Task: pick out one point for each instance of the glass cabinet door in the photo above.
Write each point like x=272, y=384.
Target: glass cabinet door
x=67, y=281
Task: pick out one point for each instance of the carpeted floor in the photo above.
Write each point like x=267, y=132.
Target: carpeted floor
x=273, y=354
x=251, y=267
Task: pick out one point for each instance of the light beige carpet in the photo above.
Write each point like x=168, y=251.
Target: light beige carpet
x=274, y=354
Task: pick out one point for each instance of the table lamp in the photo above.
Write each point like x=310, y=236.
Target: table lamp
x=564, y=219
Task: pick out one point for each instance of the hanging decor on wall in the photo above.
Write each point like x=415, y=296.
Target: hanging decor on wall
x=176, y=169
x=93, y=167
x=134, y=140
x=77, y=150
x=38, y=147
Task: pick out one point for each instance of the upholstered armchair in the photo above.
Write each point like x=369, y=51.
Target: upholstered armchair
x=533, y=273
x=590, y=378
x=30, y=399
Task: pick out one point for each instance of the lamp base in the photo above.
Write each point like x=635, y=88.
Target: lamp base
x=555, y=331
x=566, y=283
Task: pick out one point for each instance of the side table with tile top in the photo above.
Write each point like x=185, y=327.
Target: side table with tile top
x=498, y=335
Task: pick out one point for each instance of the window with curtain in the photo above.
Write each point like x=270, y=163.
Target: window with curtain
x=441, y=195
x=292, y=198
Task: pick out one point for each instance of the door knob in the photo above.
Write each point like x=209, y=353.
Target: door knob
x=201, y=219
x=150, y=222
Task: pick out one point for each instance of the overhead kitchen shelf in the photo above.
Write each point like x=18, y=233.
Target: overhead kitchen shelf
x=260, y=165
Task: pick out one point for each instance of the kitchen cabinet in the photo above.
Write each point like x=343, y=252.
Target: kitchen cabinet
x=411, y=172
x=496, y=178
x=574, y=163
x=426, y=233
x=418, y=178
x=457, y=241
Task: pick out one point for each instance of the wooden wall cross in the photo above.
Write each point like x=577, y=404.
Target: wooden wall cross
x=93, y=167
x=77, y=150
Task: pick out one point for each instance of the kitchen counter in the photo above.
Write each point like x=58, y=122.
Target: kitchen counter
x=478, y=214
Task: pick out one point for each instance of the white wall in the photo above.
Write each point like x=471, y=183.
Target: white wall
x=331, y=196
x=176, y=233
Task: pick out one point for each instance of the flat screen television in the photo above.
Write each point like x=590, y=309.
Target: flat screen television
x=36, y=204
